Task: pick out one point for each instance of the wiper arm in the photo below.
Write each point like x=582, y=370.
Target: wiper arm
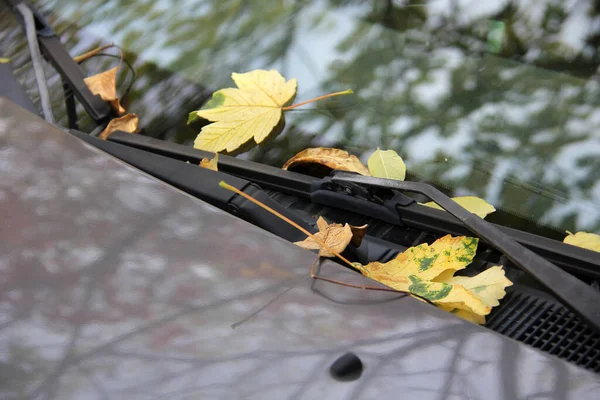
x=582, y=299
x=55, y=52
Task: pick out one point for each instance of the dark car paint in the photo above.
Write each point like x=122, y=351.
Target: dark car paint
x=115, y=285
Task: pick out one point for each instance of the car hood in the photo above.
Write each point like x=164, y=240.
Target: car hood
x=116, y=285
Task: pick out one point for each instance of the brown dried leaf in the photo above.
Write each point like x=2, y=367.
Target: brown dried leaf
x=331, y=159
x=210, y=164
x=335, y=236
x=126, y=123
x=104, y=84
x=358, y=233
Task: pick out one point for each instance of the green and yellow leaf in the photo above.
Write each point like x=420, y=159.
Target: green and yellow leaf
x=387, y=164
x=489, y=285
x=472, y=204
x=425, y=261
x=427, y=271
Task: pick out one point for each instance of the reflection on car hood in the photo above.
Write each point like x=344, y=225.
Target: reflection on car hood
x=115, y=285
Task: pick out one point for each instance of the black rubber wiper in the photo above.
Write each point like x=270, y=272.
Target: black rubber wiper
x=582, y=299
x=573, y=259
x=56, y=53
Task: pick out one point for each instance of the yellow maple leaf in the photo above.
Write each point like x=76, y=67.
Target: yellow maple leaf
x=472, y=204
x=589, y=241
x=248, y=114
x=210, y=164
x=427, y=271
x=252, y=111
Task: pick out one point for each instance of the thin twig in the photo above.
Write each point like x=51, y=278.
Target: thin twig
x=352, y=285
x=227, y=186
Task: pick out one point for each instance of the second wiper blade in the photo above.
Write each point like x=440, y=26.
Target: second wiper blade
x=582, y=299
x=56, y=53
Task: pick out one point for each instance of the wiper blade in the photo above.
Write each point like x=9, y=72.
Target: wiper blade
x=56, y=53
x=581, y=298
x=574, y=259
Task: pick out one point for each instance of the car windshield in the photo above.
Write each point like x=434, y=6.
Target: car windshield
x=496, y=98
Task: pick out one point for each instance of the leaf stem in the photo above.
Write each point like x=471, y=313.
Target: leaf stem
x=227, y=186
x=91, y=53
x=349, y=91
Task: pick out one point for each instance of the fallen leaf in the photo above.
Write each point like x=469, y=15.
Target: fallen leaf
x=427, y=271
x=126, y=123
x=104, y=84
x=387, y=164
x=472, y=204
x=4, y=60
x=427, y=262
x=91, y=53
x=335, y=236
x=489, y=285
x=358, y=234
x=252, y=111
x=331, y=159
x=589, y=241
x=210, y=164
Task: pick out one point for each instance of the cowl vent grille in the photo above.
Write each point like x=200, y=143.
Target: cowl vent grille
x=546, y=325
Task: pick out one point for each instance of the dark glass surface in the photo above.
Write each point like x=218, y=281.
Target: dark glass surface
x=492, y=98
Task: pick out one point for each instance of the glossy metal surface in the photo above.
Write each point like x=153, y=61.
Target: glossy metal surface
x=114, y=285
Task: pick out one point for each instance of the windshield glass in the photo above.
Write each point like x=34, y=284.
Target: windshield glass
x=497, y=99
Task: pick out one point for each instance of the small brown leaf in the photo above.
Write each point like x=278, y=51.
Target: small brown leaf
x=126, y=123
x=104, y=84
x=210, y=164
x=320, y=161
x=335, y=236
x=358, y=233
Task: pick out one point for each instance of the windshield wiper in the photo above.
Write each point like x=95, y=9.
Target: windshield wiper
x=573, y=259
x=361, y=194
x=56, y=53
x=581, y=298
